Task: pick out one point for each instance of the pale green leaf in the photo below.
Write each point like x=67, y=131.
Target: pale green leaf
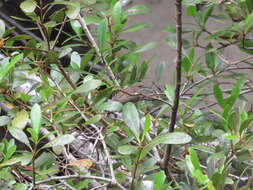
x=146, y=47
x=9, y=66
x=19, y=135
x=4, y=120
x=131, y=118
x=2, y=28
x=60, y=141
x=73, y=10
x=117, y=13
x=20, y=120
x=28, y=6
x=88, y=86
x=75, y=61
x=102, y=33
x=138, y=10
x=137, y=27
x=36, y=117
x=127, y=149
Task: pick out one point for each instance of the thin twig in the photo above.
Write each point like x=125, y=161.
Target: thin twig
x=109, y=160
x=135, y=169
x=59, y=32
x=97, y=50
x=65, y=75
x=57, y=178
x=24, y=48
x=19, y=26
x=138, y=95
x=166, y=157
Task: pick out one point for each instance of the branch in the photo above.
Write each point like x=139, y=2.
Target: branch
x=97, y=50
x=57, y=178
x=166, y=157
x=24, y=48
x=109, y=160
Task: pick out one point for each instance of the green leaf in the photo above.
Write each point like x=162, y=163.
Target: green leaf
x=192, y=162
x=137, y=27
x=88, y=86
x=131, y=118
x=73, y=10
x=91, y=19
x=204, y=17
x=194, y=158
x=191, y=10
x=143, y=70
x=102, y=34
x=94, y=119
x=19, y=135
x=117, y=13
x=172, y=138
x=249, y=4
x=76, y=26
x=138, y=10
x=169, y=92
x=210, y=57
x=159, y=179
x=218, y=96
x=89, y=2
x=10, y=162
x=21, y=119
x=146, y=128
x=236, y=91
x=168, y=138
x=57, y=16
x=186, y=64
x=60, y=141
x=10, y=149
x=20, y=186
x=127, y=149
x=159, y=70
x=110, y=106
x=4, y=120
x=247, y=23
x=145, y=47
x=26, y=158
x=246, y=124
x=28, y=6
x=36, y=117
x=9, y=66
x=75, y=60
x=2, y=28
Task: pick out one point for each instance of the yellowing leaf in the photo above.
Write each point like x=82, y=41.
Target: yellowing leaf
x=2, y=41
x=83, y=162
x=190, y=125
x=8, y=105
x=20, y=120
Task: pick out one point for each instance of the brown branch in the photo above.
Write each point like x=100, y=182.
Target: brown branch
x=134, y=97
x=59, y=32
x=66, y=76
x=166, y=157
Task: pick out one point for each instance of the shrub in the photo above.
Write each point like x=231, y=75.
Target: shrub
x=75, y=113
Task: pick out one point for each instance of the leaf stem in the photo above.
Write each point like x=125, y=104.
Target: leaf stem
x=135, y=169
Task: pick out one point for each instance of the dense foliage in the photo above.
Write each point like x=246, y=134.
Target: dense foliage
x=75, y=114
